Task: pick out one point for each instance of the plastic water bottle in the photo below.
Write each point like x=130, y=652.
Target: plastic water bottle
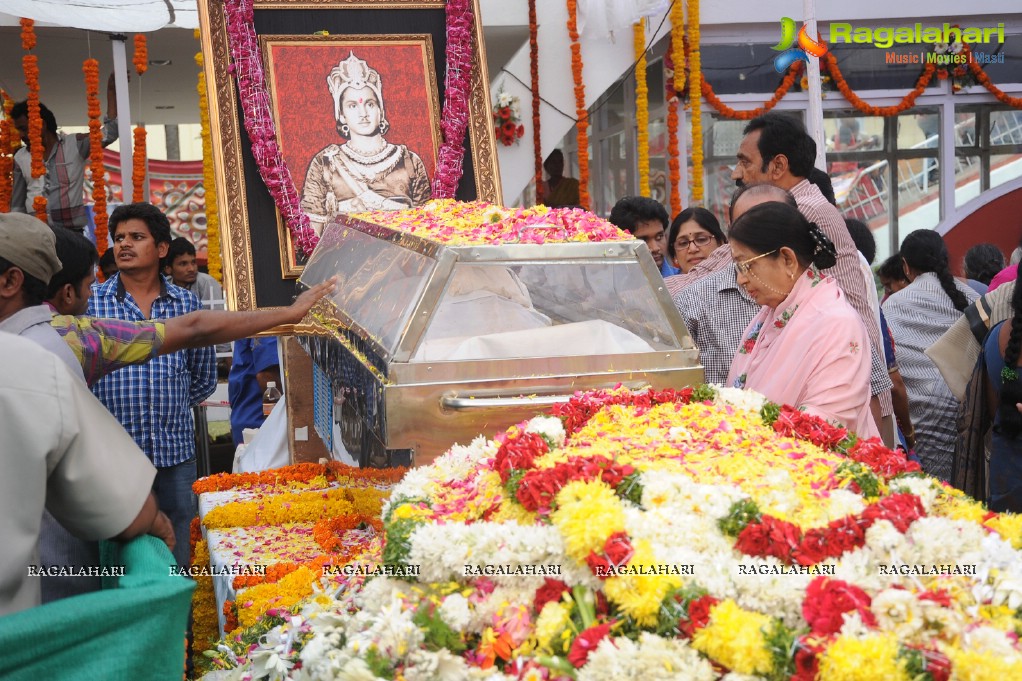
x=270, y=398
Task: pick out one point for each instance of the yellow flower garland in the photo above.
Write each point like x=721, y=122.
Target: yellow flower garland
x=695, y=78
x=205, y=623
x=678, y=45
x=297, y=507
x=734, y=637
x=213, y=257
x=641, y=105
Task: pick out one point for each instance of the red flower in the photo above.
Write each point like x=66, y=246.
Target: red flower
x=881, y=460
x=807, y=664
x=698, y=615
x=518, y=453
x=618, y=549
x=748, y=345
x=599, y=564
x=520, y=131
x=508, y=129
x=504, y=112
x=900, y=509
x=769, y=537
x=550, y=592
x=942, y=74
x=826, y=602
x=586, y=642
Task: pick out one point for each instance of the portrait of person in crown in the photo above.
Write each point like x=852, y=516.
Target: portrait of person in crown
x=357, y=121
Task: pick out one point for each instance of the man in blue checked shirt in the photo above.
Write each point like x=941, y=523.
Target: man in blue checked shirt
x=154, y=401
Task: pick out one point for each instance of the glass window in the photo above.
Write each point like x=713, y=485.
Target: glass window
x=546, y=309
x=378, y=282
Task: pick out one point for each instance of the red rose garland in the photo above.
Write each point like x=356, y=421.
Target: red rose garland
x=457, y=84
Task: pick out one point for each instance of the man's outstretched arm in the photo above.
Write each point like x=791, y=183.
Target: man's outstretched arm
x=210, y=327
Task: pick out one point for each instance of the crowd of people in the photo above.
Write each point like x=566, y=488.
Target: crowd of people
x=787, y=303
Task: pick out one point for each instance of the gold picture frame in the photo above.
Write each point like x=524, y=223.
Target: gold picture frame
x=255, y=269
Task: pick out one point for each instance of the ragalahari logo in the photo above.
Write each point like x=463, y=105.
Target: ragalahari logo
x=806, y=46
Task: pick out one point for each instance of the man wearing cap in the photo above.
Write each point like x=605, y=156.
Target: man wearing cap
x=28, y=260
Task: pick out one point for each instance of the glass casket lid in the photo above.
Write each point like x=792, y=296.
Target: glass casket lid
x=554, y=283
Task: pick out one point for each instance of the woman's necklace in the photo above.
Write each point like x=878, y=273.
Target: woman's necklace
x=373, y=156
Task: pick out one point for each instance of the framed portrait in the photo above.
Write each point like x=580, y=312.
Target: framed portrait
x=356, y=90
x=385, y=84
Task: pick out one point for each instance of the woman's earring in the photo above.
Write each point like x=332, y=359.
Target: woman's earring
x=344, y=130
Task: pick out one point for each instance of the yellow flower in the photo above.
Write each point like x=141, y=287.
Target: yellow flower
x=970, y=665
x=1009, y=526
x=735, y=638
x=640, y=596
x=866, y=659
x=587, y=513
x=551, y=622
x=512, y=511
x=255, y=601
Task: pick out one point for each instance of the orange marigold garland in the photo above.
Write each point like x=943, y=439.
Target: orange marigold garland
x=537, y=143
x=695, y=77
x=6, y=154
x=677, y=48
x=906, y=103
x=91, y=70
x=726, y=111
x=581, y=113
x=30, y=64
x=138, y=158
x=641, y=104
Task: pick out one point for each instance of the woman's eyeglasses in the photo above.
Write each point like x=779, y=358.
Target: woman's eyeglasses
x=700, y=241
x=744, y=266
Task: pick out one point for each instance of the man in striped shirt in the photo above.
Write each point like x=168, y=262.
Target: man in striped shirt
x=777, y=149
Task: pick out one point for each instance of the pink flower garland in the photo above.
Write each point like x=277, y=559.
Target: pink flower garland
x=457, y=83
x=247, y=66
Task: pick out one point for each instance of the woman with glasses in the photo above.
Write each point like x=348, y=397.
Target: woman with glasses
x=807, y=347
x=693, y=235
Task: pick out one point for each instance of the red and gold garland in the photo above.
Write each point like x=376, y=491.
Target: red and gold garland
x=213, y=257
x=138, y=157
x=581, y=113
x=695, y=78
x=641, y=104
x=674, y=163
x=537, y=143
x=90, y=67
x=30, y=64
x=6, y=154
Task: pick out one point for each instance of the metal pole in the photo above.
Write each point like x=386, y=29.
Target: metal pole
x=117, y=42
x=814, y=117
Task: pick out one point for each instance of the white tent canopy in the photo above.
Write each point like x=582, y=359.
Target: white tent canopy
x=111, y=16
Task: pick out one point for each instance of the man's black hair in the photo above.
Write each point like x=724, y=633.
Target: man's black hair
x=784, y=134
x=862, y=235
x=156, y=221
x=107, y=259
x=78, y=258
x=33, y=290
x=20, y=110
x=178, y=247
x=631, y=210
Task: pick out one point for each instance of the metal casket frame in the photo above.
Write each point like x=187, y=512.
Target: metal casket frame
x=398, y=408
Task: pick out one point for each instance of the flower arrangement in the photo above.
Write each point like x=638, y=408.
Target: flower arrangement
x=30, y=65
x=537, y=144
x=90, y=68
x=507, y=119
x=140, y=58
x=701, y=533
x=695, y=77
x=907, y=102
x=213, y=257
x=641, y=104
x=6, y=153
x=138, y=157
x=457, y=83
x=477, y=223
x=581, y=111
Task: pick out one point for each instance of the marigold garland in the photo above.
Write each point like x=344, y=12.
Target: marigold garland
x=677, y=49
x=141, y=56
x=6, y=156
x=138, y=163
x=298, y=507
x=983, y=79
x=329, y=533
x=30, y=65
x=298, y=474
x=205, y=624
x=90, y=67
x=581, y=112
x=213, y=254
x=537, y=143
x=695, y=77
x=674, y=163
x=744, y=115
x=641, y=104
x=906, y=103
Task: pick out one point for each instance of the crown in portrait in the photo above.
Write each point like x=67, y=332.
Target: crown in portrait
x=353, y=73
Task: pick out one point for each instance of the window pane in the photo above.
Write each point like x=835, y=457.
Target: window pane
x=655, y=83
x=967, y=171
x=1005, y=127
x=1004, y=168
x=919, y=130
x=848, y=136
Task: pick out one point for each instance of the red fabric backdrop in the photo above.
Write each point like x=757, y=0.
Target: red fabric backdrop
x=305, y=107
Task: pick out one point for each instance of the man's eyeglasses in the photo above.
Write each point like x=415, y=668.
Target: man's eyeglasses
x=744, y=266
x=700, y=241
